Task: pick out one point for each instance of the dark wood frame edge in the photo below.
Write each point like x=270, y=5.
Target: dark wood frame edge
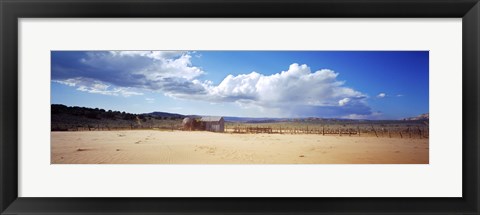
x=11, y=11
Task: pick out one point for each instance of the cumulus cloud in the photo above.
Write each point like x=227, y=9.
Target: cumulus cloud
x=381, y=95
x=151, y=70
x=297, y=85
x=298, y=91
x=295, y=92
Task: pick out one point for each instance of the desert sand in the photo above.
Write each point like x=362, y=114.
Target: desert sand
x=201, y=147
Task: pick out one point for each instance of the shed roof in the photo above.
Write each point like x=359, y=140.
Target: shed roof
x=211, y=118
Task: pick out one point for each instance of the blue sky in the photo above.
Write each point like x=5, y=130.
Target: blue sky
x=329, y=84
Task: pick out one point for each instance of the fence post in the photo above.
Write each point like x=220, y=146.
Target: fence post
x=374, y=131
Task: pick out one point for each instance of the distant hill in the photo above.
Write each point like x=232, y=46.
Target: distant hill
x=419, y=117
x=164, y=114
x=250, y=119
x=316, y=120
x=64, y=118
x=73, y=118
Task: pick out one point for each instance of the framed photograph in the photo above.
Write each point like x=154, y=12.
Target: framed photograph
x=210, y=116
x=264, y=107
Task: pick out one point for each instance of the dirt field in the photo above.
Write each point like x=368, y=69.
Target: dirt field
x=200, y=147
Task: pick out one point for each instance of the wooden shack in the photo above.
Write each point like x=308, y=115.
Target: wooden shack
x=213, y=123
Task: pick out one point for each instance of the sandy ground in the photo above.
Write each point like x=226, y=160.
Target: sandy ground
x=200, y=147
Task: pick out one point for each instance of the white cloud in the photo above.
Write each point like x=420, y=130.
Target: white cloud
x=381, y=95
x=344, y=101
x=288, y=92
x=155, y=66
x=171, y=68
x=163, y=71
x=159, y=55
x=297, y=91
x=150, y=100
x=296, y=85
x=373, y=115
x=98, y=87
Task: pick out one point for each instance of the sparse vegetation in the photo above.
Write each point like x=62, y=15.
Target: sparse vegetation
x=66, y=118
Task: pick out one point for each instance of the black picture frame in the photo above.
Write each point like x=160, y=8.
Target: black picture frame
x=12, y=10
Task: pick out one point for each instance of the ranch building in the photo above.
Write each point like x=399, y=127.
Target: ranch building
x=213, y=123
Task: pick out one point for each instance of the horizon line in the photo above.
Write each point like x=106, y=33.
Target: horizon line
x=306, y=117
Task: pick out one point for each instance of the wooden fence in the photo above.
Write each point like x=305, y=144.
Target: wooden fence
x=408, y=132
x=391, y=132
